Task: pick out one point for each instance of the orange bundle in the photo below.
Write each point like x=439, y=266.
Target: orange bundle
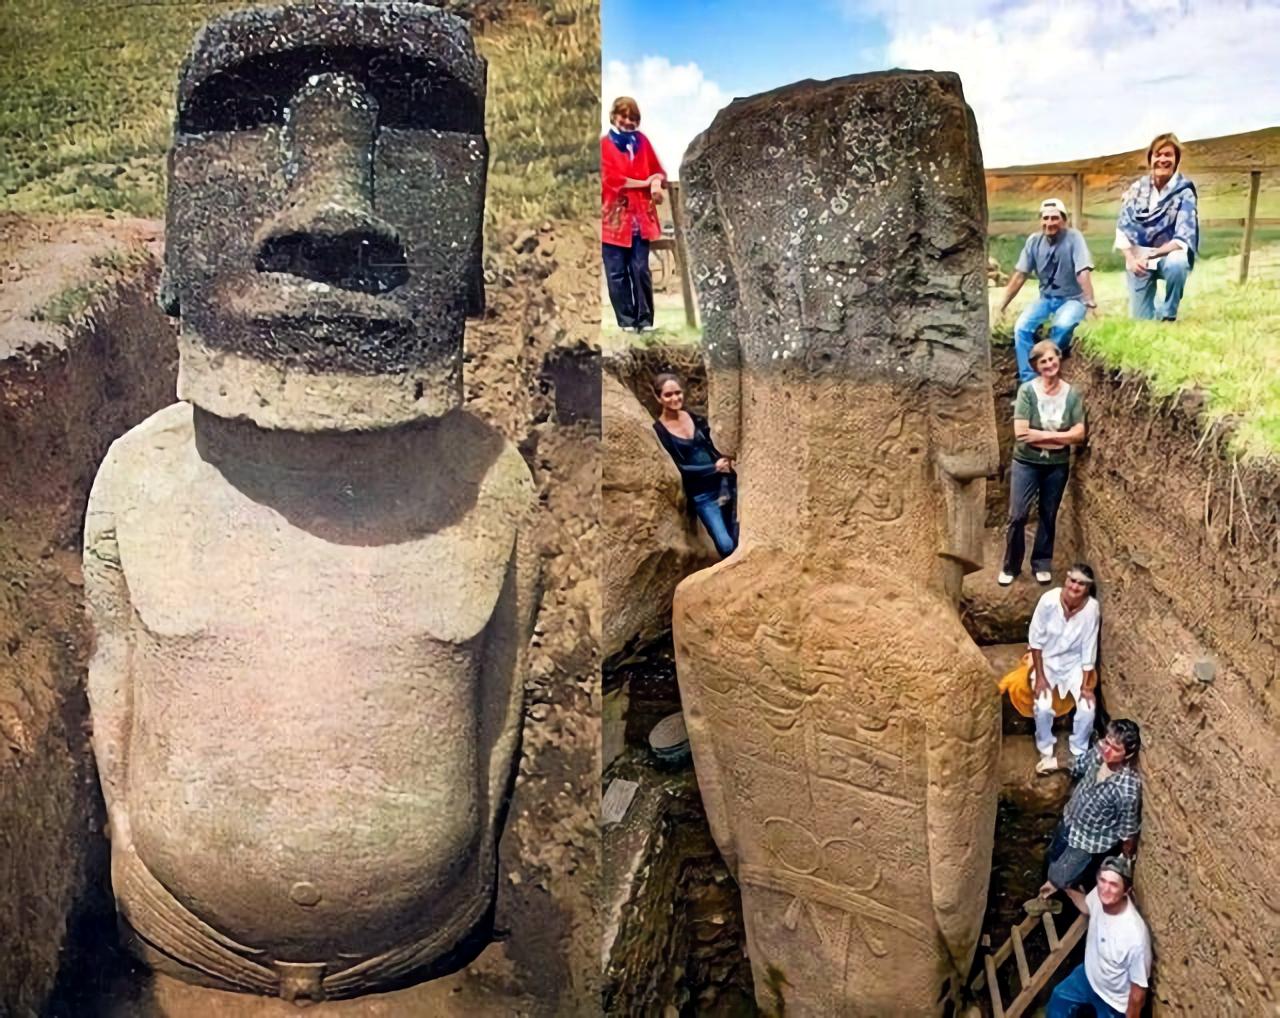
x=1018, y=685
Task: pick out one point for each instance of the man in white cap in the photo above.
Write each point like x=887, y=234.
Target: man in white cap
x=1063, y=640
x=1059, y=258
x=1112, y=980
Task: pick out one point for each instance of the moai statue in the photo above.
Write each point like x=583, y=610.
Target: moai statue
x=311, y=581
x=844, y=727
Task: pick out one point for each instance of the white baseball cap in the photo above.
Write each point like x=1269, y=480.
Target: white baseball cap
x=1053, y=205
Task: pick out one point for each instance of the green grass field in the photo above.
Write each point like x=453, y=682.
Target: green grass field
x=1216, y=243
x=88, y=104
x=1225, y=343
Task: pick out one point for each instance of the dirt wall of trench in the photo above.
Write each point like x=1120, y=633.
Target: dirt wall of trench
x=65, y=394
x=1186, y=544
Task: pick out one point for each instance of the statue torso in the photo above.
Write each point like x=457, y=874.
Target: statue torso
x=307, y=688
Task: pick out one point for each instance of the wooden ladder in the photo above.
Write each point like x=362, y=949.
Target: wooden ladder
x=1059, y=949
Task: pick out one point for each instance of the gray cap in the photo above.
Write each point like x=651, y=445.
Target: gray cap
x=1118, y=864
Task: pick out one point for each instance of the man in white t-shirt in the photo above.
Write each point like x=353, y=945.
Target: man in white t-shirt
x=1063, y=639
x=1112, y=980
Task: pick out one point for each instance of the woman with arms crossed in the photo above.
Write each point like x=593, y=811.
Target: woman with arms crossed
x=1048, y=418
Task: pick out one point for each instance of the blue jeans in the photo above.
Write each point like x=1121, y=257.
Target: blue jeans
x=1173, y=269
x=1075, y=993
x=1069, y=866
x=719, y=521
x=626, y=271
x=1031, y=483
x=1063, y=314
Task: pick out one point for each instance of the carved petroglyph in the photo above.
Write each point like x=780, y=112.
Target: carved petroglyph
x=844, y=726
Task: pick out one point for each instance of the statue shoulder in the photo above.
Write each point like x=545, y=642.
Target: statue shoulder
x=479, y=455
x=167, y=431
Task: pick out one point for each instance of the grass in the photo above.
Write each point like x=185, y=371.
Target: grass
x=88, y=104
x=75, y=300
x=544, y=89
x=671, y=328
x=1217, y=197
x=1216, y=243
x=1226, y=343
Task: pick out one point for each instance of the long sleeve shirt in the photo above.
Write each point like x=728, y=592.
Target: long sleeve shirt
x=1068, y=646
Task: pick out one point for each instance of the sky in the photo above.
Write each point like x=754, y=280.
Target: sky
x=1048, y=80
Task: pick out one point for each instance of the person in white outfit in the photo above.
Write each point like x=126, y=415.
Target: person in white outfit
x=1112, y=980
x=1063, y=640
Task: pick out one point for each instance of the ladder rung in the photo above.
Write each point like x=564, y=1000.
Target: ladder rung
x=1020, y=956
x=1050, y=931
x=997, y=1005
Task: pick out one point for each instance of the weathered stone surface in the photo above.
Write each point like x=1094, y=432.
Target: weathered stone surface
x=307, y=681
x=994, y=614
x=303, y=307
x=845, y=728
x=650, y=542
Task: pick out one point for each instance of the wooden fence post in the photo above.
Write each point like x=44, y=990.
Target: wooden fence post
x=682, y=257
x=1255, y=182
x=1077, y=201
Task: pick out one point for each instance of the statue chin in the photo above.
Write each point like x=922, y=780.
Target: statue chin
x=237, y=386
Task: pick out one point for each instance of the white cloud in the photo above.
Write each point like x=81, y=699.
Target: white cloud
x=1062, y=81
x=677, y=102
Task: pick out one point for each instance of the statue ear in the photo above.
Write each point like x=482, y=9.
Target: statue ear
x=167, y=295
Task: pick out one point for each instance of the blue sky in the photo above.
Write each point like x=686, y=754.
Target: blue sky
x=1057, y=79
x=745, y=45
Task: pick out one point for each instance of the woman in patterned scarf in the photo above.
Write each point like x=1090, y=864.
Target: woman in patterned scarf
x=631, y=180
x=1158, y=231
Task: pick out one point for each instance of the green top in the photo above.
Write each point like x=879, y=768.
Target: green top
x=1060, y=412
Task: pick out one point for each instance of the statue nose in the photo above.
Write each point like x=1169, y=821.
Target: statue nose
x=327, y=230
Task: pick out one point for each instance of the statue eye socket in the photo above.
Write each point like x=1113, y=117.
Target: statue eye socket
x=411, y=92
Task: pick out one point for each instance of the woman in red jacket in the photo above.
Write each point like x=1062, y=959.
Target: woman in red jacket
x=631, y=180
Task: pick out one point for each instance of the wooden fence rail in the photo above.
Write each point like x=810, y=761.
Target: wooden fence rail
x=1079, y=221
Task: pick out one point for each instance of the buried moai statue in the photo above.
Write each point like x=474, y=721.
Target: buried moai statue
x=311, y=582
x=844, y=726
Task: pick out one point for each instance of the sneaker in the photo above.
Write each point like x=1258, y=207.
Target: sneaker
x=1039, y=906
x=1047, y=764
x=1004, y=579
x=1044, y=577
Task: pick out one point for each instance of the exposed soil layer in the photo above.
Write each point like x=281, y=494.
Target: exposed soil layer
x=636, y=367
x=62, y=401
x=1186, y=546
x=67, y=390
x=674, y=941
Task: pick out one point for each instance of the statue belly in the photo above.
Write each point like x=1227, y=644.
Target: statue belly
x=307, y=797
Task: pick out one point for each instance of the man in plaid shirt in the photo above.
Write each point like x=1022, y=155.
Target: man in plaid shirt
x=1105, y=809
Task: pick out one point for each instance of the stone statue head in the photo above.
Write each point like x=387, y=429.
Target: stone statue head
x=837, y=240
x=326, y=197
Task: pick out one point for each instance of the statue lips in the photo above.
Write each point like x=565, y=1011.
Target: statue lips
x=318, y=313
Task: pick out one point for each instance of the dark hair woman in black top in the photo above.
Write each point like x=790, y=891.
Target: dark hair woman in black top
x=709, y=481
